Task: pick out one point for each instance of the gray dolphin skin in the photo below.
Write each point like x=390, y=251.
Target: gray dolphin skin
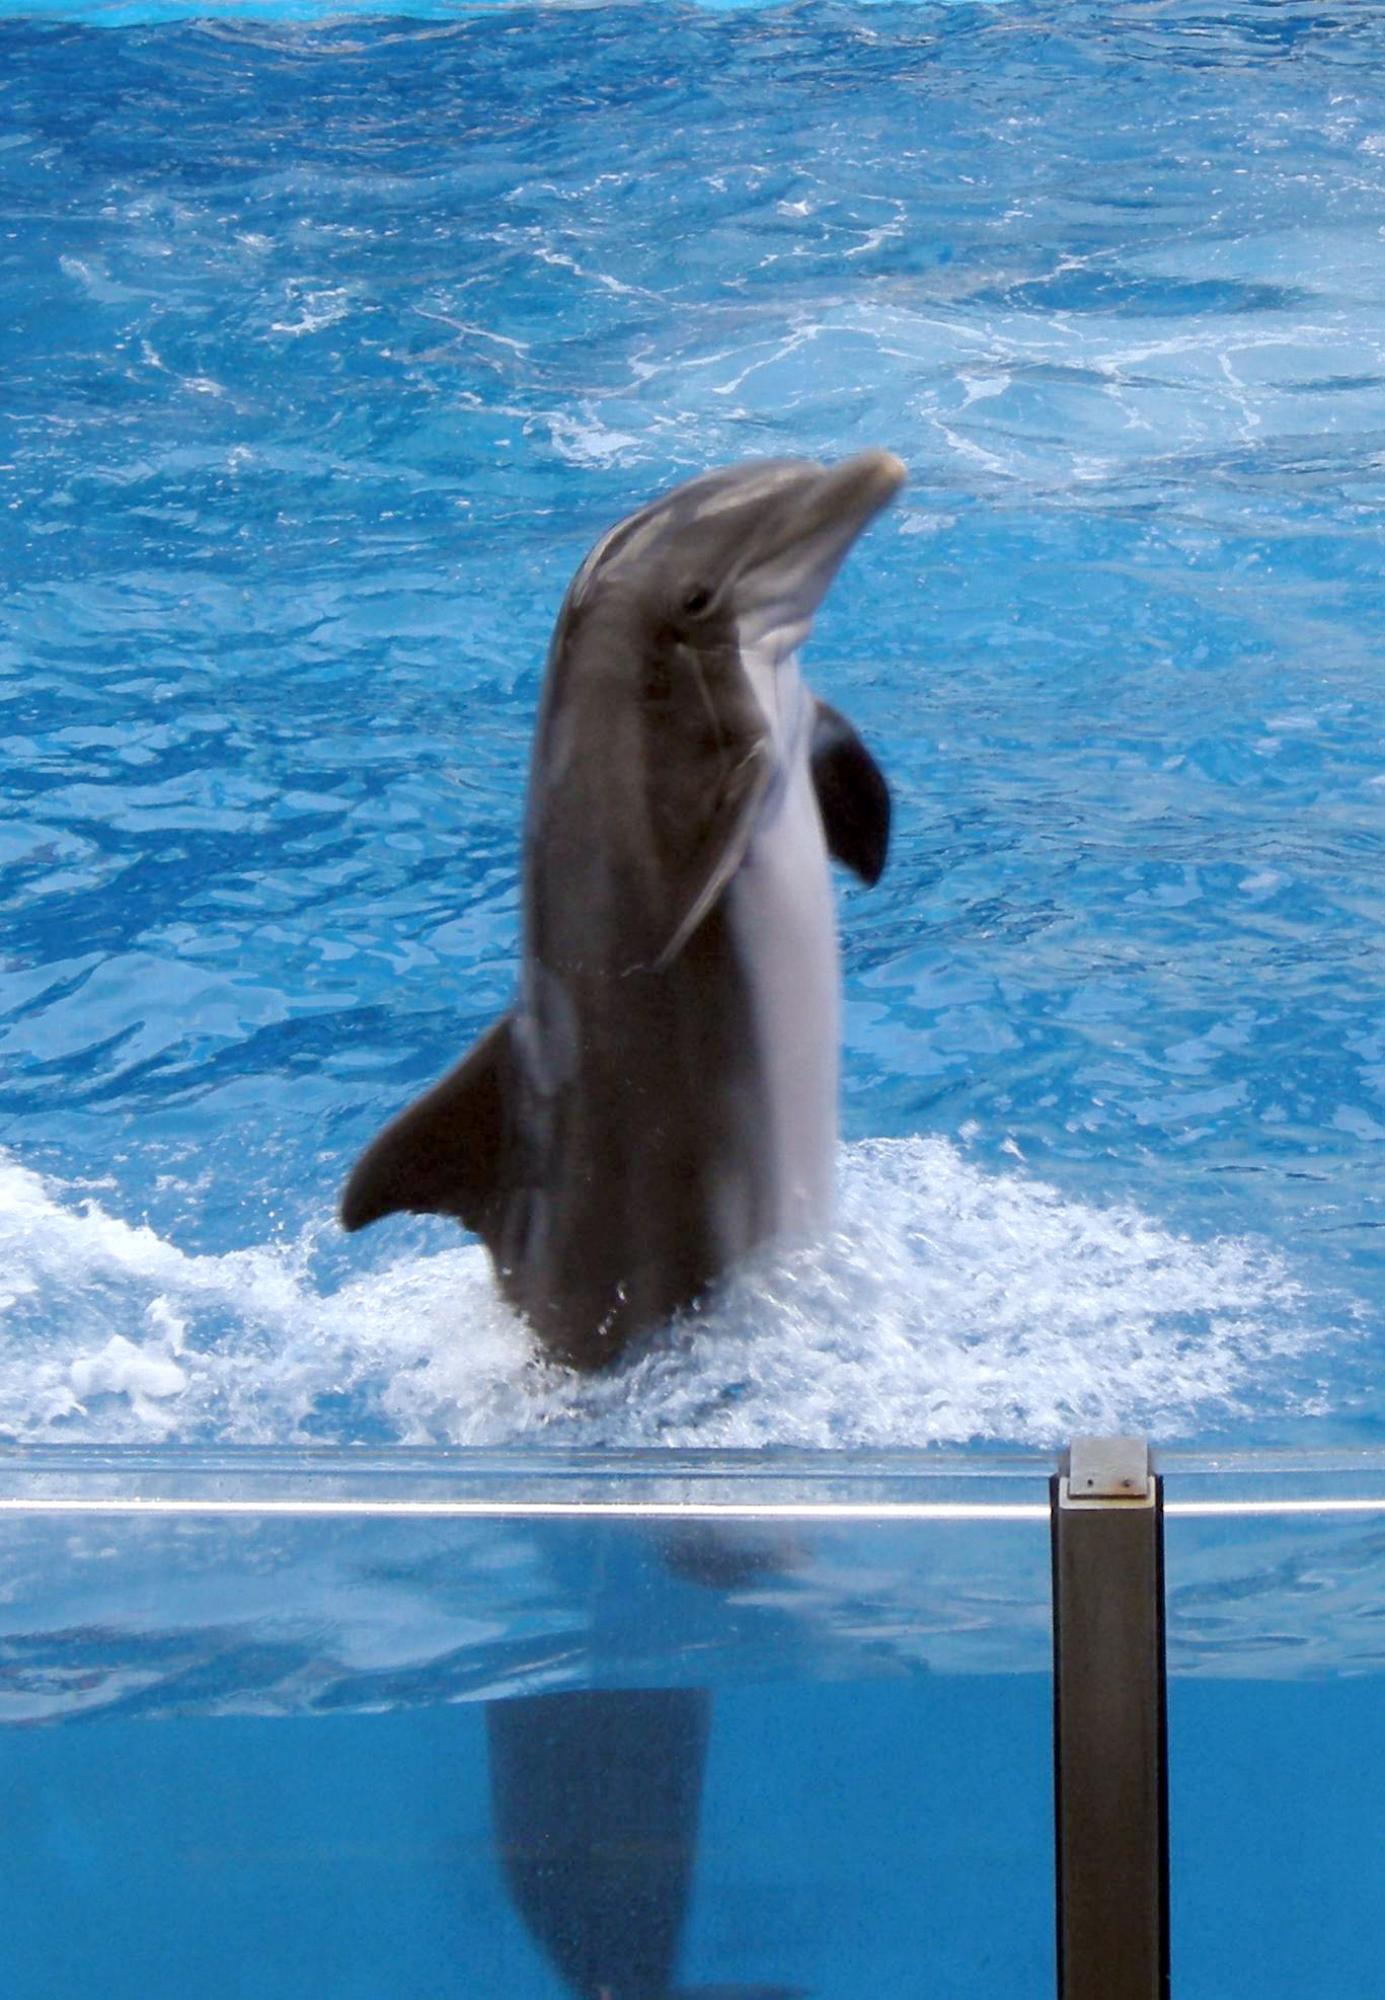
x=662, y=1098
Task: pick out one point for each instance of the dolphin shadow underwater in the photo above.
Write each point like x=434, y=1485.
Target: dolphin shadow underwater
x=596, y=1797
x=596, y=1793
x=662, y=1097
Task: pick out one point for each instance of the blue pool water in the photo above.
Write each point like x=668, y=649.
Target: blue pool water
x=325, y=352
x=258, y=1755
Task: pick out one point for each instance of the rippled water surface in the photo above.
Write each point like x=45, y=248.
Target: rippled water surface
x=325, y=352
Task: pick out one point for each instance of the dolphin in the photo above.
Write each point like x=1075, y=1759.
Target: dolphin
x=597, y=1796
x=662, y=1097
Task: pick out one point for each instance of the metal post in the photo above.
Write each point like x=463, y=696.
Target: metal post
x=1110, y=1733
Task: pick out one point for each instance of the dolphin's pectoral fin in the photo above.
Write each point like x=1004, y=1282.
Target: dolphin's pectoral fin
x=722, y=843
x=852, y=796
x=445, y=1154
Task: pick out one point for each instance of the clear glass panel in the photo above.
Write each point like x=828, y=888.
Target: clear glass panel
x=1276, y=1625
x=424, y=1726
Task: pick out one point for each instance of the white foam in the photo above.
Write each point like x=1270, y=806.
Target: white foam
x=582, y=439
x=952, y=1304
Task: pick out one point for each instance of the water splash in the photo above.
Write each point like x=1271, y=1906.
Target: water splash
x=950, y=1304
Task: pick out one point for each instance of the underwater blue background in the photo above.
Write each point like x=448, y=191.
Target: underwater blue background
x=327, y=349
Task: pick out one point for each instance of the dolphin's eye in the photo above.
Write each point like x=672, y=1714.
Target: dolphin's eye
x=696, y=600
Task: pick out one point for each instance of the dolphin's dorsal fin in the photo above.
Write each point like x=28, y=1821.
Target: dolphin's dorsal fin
x=852, y=796
x=444, y=1155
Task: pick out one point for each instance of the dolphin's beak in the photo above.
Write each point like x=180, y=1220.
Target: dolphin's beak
x=800, y=539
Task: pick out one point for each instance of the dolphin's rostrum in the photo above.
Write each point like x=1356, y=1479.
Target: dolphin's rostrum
x=663, y=1095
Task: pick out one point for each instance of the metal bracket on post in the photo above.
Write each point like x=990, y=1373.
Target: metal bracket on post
x=1110, y=1732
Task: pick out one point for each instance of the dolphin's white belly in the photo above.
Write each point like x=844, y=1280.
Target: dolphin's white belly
x=784, y=925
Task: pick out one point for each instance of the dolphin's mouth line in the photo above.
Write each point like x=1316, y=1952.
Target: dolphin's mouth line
x=791, y=563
